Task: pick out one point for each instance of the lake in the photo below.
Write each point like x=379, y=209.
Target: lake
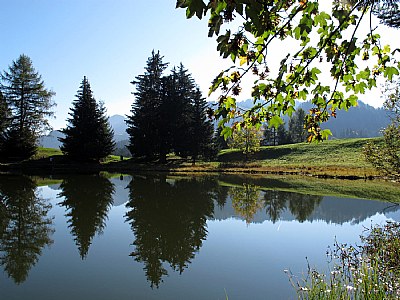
x=156, y=236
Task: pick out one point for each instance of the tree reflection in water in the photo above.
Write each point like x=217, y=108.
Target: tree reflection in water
x=87, y=199
x=301, y=206
x=25, y=226
x=168, y=218
x=246, y=201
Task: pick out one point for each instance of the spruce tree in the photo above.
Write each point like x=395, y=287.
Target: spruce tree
x=282, y=135
x=3, y=113
x=145, y=138
x=388, y=11
x=200, y=129
x=29, y=105
x=3, y=120
x=219, y=141
x=182, y=106
x=297, y=131
x=88, y=135
x=169, y=114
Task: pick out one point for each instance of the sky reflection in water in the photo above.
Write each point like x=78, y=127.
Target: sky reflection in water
x=159, y=237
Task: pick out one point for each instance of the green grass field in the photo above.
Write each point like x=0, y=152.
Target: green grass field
x=336, y=158
x=343, y=157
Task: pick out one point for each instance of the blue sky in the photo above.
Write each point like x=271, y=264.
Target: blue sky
x=108, y=41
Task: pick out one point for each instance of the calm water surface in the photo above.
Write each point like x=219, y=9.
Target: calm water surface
x=163, y=237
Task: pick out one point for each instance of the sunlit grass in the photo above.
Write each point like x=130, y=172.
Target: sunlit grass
x=46, y=152
x=340, y=157
x=336, y=158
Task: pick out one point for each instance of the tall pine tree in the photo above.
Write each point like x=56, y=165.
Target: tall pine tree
x=297, y=131
x=146, y=139
x=3, y=120
x=169, y=114
x=88, y=136
x=29, y=105
x=200, y=129
x=182, y=107
x=3, y=114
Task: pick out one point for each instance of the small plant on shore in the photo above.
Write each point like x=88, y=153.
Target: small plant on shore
x=385, y=157
x=369, y=271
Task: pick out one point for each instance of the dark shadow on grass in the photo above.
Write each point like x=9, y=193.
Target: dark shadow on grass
x=269, y=153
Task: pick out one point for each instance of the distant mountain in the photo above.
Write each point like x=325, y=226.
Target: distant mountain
x=117, y=122
x=51, y=140
x=359, y=121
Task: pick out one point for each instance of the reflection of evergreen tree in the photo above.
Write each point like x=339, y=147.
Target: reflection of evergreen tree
x=3, y=212
x=275, y=203
x=246, y=201
x=88, y=199
x=26, y=227
x=220, y=194
x=302, y=206
x=169, y=222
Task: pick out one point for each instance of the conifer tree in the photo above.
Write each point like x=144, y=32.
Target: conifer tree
x=297, y=132
x=282, y=135
x=88, y=136
x=219, y=140
x=29, y=105
x=145, y=121
x=388, y=11
x=3, y=120
x=169, y=114
x=3, y=113
x=200, y=129
x=182, y=105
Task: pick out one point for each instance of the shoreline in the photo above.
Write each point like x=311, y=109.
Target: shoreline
x=126, y=166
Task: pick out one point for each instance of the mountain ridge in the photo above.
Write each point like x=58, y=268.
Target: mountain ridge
x=362, y=121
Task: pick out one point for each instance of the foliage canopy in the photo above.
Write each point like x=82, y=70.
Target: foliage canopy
x=311, y=40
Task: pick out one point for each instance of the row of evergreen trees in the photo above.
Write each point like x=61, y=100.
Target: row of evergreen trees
x=294, y=132
x=26, y=105
x=169, y=114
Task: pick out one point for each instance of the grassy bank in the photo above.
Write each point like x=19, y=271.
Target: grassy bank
x=337, y=158
x=331, y=158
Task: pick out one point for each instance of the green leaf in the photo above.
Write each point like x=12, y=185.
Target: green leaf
x=226, y=132
x=195, y=7
x=275, y=121
x=325, y=134
x=390, y=72
x=321, y=18
x=230, y=102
